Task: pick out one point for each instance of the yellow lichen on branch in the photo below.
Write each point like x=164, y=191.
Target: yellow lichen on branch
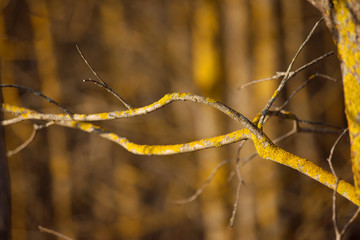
x=143, y=149
x=265, y=148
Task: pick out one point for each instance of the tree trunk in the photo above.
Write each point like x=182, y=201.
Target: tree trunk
x=342, y=18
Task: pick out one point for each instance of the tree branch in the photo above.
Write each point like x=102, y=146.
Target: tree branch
x=264, y=146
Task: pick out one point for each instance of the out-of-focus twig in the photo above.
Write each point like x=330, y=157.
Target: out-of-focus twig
x=238, y=187
x=36, y=127
x=204, y=185
x=57, y=234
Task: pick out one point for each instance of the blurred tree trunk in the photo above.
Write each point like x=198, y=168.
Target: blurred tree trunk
x=5, y=191
x=237, y=70
x=206, y=75
x=50, y=85
x=265, y=177
x=130, y=218
x=342, y=18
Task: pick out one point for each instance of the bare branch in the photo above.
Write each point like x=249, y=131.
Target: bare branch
x=329, y=160
x=242, y=143
x=293, y=94
x=109, y=89
x=237, y=196
x=37, y=93
x=305, y=83
x=101, y=82
x=339, y=234
x=237, y=193
x=283, y=83
x=327, y=128
x=293, y=73
x=324, y=76
x=286, y=77
x=89, y=66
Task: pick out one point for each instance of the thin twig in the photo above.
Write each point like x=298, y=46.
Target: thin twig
x=294, y=73
x=312, y=62
x=89, y=66
x=283, y=83
x=334, y=211
x=286, y=135
x=242, y=143
x=235, y=206
x=339, y=234
x=324, y=76
x=60, y=235
x=293, y=93
x=303, y=44
x=352, y=219
x=327, y=128
x=286, y=77
x=110, y=90
x=37, y=93
x=36, y=127
x=204, y=185
x=237, y=194
x=101, y=82
x=278, y=74
x=305, y=83
x=323, y=124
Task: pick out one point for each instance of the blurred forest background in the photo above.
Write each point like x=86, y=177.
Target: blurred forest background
x=88, y=188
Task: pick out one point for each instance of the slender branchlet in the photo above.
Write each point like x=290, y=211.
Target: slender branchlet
x=204, y=185
x=339, y=234
x=38, y=93
x=101, y=82
x=54, y=233
x=36, y=128
x=286, y=77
